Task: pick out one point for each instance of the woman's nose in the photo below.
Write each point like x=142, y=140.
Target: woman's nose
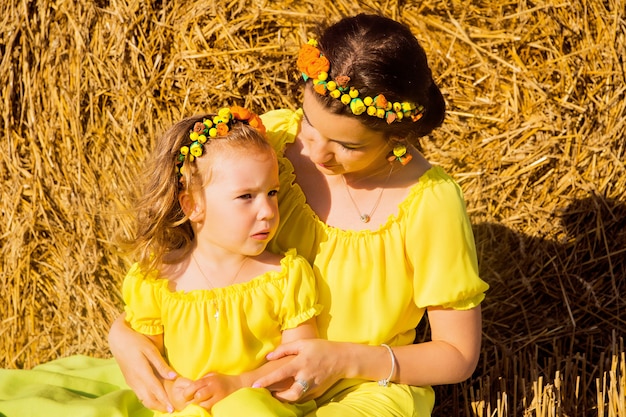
x=320, y=151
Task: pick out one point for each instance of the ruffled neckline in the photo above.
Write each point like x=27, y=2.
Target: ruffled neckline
x=225, y=292
x=433, y=175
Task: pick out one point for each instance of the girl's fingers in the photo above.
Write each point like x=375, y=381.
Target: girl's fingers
x=203, y=397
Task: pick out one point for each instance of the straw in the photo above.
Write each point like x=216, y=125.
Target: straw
x=535, y=136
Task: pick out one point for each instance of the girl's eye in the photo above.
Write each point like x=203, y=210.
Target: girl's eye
x=245, y=196
x=273, y=193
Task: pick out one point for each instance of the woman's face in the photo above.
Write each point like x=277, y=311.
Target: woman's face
x=339, y=144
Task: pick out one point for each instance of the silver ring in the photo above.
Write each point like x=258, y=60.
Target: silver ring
x=303, y=384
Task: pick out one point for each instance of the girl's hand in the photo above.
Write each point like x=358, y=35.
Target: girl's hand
x=319, y=363
x=142, y=365
x=176, y=391
x=211, y=388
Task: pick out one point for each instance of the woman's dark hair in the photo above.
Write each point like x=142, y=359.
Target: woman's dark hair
x=382, y=56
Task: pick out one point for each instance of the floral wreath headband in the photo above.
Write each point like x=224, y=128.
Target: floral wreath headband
x=222, y=123
x=312, y=64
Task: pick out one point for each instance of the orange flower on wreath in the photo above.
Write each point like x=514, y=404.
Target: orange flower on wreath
x=199, y=127
x=380, y=101
x=255, y=122
x=307, y=53
x=317, y=66
x=240, y=113
x=310, y=62
x=222, y=129
x=342, y=81
x=320, y=89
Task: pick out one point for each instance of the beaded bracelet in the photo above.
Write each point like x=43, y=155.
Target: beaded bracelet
x=385, y=382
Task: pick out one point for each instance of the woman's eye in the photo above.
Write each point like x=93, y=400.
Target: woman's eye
x=245, y=196
x=273, y=193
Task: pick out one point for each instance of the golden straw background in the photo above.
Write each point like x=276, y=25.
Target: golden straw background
x=535, y=135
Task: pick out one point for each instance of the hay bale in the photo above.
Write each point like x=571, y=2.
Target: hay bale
x=535, y=135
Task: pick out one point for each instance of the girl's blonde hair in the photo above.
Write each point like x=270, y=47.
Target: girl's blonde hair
x=162, y=232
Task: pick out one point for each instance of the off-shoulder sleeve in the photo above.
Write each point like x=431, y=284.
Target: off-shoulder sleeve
x=441, y=244
x=300, y=293
x=142, y=305
x=282, y=127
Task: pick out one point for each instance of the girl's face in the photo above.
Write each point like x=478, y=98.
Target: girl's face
x=239, y=213
x=339, y=144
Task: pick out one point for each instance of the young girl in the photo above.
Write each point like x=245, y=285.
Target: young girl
x=204, y=290
x=386, y=231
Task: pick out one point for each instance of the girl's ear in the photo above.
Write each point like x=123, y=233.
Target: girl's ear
x=190, y=207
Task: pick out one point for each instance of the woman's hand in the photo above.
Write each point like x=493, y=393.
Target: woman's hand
x=142, y=365
x=211, y=388
x=317, y=363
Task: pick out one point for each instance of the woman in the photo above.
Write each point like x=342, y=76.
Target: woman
x=387, y=234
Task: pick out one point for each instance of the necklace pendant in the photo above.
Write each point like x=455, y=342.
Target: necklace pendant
x=365, y=217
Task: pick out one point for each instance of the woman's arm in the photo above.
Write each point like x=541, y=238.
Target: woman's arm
x=451, y=356
x=142, y=365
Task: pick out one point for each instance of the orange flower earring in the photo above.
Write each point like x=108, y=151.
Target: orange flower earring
x=400, y=153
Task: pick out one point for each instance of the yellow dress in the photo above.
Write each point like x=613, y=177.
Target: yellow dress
x=226, y=330
x=376, y=285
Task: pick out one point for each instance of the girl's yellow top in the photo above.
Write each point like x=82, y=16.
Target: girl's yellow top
x=226, y=330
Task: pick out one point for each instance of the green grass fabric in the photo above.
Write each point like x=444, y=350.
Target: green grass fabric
x=73, y=386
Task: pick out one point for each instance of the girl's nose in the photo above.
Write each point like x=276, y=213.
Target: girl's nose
x=268, y=208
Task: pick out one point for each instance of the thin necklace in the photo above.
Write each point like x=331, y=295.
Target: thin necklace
x=234, y=278
x=211, y=282
x=366, y=217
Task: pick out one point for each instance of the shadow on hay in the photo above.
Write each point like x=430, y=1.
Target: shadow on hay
x=552, y=306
